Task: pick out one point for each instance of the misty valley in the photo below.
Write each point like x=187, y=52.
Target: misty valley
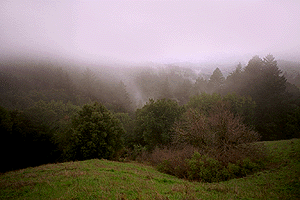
x=182, y=120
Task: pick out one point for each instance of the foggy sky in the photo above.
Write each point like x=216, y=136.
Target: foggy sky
x=150, y=31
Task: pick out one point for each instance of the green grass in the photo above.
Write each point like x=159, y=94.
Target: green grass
x=102, y=179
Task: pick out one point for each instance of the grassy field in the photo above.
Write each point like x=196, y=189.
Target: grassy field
x=102, y=179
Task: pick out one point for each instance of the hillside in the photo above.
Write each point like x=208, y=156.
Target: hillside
x=102, y=179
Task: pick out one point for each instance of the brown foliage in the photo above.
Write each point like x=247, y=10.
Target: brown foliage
x=212, y=147
x=172, y=159
x=220, y=134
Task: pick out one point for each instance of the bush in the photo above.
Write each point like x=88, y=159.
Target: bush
x=200, y=167
x=172, y=160
x=213, y=147
x=220, y=134
x=204, y=168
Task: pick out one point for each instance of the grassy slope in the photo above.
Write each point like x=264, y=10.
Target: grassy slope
x=102, y=179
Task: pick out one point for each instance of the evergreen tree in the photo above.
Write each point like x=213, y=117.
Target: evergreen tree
x=200, y=86
x=216, y=81
x=265, y=84
x=234, y=80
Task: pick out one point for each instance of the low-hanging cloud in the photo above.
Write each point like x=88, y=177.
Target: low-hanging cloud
x=158, y=31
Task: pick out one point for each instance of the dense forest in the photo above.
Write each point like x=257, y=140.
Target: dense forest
x=54, y=112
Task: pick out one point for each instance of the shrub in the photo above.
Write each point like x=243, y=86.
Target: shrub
x=221, y=134
x=208, y=169
x=204, y=168
x=190, y=164
x=213, y=147
x=172, y=160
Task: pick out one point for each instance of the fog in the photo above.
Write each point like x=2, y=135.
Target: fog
x=150, y=31
x=79, y=79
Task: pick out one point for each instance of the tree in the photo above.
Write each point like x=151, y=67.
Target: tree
x=183, y=91
x=219, y=133
x=88, y=83
x=165, y=92
x=95, y=133
x=122, y=101
x=148, y=83
x=273, y=81
x=23, y=143
x=243, y=107
x=216, y=81
x=154, y=122
x=204, y=102
x=262, y=80
x=234, y=80
x=200, y=86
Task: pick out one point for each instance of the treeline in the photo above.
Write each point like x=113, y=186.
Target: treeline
x=48, y=114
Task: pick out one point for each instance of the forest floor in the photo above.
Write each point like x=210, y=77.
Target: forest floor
x=103, y=179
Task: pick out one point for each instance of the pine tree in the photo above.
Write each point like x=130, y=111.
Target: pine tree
x=234, y=80
x=262, y=80
x=216, y=81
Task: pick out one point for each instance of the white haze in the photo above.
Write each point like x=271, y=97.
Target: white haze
x=150, y=31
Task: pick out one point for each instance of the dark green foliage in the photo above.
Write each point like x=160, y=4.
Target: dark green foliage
x=154, y=122
x=275, y=98
x=127, y=122
x=204, y=168
x=239, y=105
x=208, y=169
x=23, y=142
x=293, y=124
x=265, y=84
x=5, y=121
x=54, y=114
x=204, y=102
x=95, y=133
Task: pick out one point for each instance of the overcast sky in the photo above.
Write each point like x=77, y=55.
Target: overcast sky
x=157, y=31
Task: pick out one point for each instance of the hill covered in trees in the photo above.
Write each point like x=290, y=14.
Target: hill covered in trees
x=48, y=108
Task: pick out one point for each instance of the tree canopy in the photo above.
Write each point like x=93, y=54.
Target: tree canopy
x=95, y=133
x=155, y=120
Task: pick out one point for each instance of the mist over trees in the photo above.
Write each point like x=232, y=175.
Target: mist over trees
x=49, y=108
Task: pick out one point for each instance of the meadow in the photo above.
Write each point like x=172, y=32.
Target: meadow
x=103, y=179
